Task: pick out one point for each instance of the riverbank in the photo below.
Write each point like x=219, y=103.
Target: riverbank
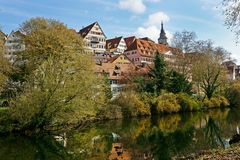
x=232, y=153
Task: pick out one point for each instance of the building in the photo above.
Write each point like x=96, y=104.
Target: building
x=94, y=37
x=232, y=70
x=14, y=44
x=142, y=51
x=116, y=45
x=129, y=40
x=116, y=69
x=3, y=36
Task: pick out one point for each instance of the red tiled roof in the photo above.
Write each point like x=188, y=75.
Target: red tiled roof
x=84, y=31
x=112, y=69
x=148, y=48
x=113, y=43
x=110, y=60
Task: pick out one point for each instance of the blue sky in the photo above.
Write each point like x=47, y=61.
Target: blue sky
x=127, y=17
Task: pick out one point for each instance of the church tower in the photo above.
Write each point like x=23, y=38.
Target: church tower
x=163, y=38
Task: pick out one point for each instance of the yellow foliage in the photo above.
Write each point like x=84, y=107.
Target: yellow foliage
x=132, y=105
x=167, y=103
x=169, y=124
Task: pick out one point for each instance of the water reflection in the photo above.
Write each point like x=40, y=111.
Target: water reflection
x=149, y=138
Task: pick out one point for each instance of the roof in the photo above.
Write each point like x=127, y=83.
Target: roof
x=148, y=48
x=3, y=35
x=111, y=60
x=229, y=63
x=129, y=40
x=113, y=43
x=17, y=33
x=147, y=39
x=115, y=71
x=84, y=31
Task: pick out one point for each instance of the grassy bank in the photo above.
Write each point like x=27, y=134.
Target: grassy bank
x=232, y=153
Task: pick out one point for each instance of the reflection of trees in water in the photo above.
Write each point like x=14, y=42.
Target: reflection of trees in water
x=169, y=124
x=162, y=136
x=24, y=148
x=213, y=133
x=165, y=145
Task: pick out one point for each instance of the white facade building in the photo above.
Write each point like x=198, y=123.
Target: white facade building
x=13, y=44
x=116, y=45
x=94, y=38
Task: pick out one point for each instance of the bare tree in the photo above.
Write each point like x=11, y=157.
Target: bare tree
x=184, y=40
x=232, y=15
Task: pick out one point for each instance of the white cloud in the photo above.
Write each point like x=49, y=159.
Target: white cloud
x=152, y=32
x=152, y=26
x=135, y=6
x=157, y=18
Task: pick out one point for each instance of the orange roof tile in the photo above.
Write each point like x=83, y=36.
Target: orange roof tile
x=148, y=48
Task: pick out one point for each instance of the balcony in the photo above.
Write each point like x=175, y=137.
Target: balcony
x=94, y=40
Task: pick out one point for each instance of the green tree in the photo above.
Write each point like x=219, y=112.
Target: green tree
x=60, y=85
x=107, y=88
x=208, y=72
x=5, y=67
x=158, y=74
x=177, y=82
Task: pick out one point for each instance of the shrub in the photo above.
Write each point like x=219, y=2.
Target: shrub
x=207, y=103
x=188, y=103
x=224, y=101
x=167, y=103
x=232, y=93
x=216, y=102
x=132, y=105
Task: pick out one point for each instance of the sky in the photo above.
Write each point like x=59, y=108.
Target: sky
x=128, y=17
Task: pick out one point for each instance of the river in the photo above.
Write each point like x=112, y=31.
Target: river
x=159, y=137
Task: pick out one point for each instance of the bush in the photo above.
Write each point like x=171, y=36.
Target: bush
x=232, y=93
x=188, y=103
x=167, y=103
x=132, y=105
x=216, y=102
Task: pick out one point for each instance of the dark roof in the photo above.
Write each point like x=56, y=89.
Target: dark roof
x=147, y=39
x=113, y=43
x=129, y=40
x=229, y=63
x=84, y=31
x=2, y=35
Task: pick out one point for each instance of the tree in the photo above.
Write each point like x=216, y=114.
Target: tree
x=232, y=15
x=5, y=67
x=60, y=86
x=184, y=40
x=207, y=72
x=158, y=73
x=107, y=88
x=177, y=82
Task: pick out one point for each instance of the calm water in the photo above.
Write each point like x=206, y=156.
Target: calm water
x=158, y=137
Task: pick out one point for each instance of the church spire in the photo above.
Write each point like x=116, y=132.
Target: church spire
x=163, y=38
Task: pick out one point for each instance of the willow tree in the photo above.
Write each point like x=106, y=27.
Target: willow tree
x=60, y=85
